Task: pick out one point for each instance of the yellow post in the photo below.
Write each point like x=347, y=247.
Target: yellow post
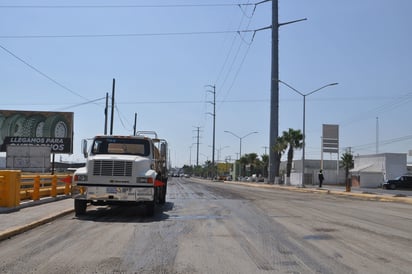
x=36, y=188
x=67, y=181
x=3, y=189
x=10, y=188
x=54, y=186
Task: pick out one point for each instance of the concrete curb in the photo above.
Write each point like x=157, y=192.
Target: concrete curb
x=20, y=229
x=367, y=196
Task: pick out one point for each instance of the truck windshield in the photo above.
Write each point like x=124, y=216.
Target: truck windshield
x=139, y=147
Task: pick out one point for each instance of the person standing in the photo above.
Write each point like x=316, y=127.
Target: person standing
x=320, y=177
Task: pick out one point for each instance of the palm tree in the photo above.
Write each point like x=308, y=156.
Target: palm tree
x=243, y=161
x=294, y=139
x=280, y=147
x=347, y=164
x=265, y=164
x=207, y=170
x=252, y=159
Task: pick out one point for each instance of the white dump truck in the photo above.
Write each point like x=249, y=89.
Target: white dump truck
x=122, y=170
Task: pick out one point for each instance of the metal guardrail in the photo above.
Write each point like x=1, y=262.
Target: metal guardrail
x=16, y=187
x=34, y=187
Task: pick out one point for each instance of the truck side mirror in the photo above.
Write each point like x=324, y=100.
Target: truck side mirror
x=84, y=148
x=163, y=149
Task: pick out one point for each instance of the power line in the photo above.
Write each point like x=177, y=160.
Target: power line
x=121, y=6
x=120, y=118
x=403, y=99
x=382, y=143
x=238, y=50
x=121, y=34
x=194, y=102
x=42, y=73
x=230, y=50
x=81, y=104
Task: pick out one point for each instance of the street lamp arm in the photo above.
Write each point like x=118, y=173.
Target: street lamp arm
x=249, y=134
x=328, y=85
x=297, y=91
x=227, y=131
x=292, y=88
x=291, y=22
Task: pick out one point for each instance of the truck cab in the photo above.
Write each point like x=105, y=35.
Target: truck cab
x=122, y=170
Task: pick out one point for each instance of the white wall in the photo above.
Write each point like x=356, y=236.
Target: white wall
x=2, y=162
x=395, y=165
x=374, y=169
x=28, y=158
x=371, y=180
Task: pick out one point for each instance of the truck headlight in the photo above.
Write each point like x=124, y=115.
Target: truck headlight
x=80, y=178
x=144, y=180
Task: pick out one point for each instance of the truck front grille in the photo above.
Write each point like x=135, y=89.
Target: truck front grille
x=112, y=168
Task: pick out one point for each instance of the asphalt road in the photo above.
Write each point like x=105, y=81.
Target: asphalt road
x=211, y=227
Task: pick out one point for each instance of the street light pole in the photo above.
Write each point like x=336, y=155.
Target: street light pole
x=304, y=120
x=240, y=140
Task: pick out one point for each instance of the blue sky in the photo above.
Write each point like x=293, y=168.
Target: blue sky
x=163, y=54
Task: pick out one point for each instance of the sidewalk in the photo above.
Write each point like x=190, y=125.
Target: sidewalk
x=32, y=214
x=376, y=194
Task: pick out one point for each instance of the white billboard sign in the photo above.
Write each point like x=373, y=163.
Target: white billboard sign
x=28, y=158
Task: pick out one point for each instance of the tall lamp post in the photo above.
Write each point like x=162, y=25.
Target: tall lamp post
x=304, y=118
x=240, y=140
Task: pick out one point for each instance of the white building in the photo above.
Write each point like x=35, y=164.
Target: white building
x=373, y=170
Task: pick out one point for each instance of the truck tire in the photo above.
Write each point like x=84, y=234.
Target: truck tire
x=392, y=186
x=162, y=198
x=80, y=207
x=150, y=209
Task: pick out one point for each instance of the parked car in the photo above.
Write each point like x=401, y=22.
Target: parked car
x=404, y=181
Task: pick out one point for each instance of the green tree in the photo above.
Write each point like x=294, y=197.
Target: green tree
x=347, y=163
x=294, y=139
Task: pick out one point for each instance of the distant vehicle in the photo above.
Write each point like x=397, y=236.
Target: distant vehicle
x=404, y=181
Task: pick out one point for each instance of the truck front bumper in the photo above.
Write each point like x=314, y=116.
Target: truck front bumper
x=130, y=193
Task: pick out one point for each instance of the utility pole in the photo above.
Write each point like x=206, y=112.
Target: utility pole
x=112, y=118
x=214, y=127
x=197, y=145
x=197, y=148
x=274, y=160
x=105, y=113
x=135, y=124
x=274, y=96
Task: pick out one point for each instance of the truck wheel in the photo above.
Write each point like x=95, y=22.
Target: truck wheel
x=80, y=207
x=392, y=186
x=150, y=209
x=162, y=199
